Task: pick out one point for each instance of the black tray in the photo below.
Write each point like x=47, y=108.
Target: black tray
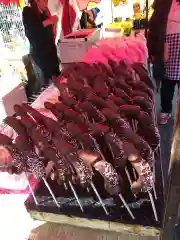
x=140, y=206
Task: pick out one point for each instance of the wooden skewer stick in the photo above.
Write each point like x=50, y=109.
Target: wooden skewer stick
x=128, y=176
x=126, y=206
x=100, y=200
x=97, y=147
x=154, y=177
x=91, y=183
x=154, y=191
x=76, y=196
x=153, y=206
x=32, y=192
x=65, y=186
x=51, y=192
x=134, y=174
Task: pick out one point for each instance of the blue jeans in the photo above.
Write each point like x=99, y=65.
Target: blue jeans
x=39, y=77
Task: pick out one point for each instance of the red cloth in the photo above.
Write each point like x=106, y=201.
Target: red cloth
x=82, y=5
x=64, y=19
x=6, y=2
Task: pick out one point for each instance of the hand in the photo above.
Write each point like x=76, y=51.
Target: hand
x=54, y=19
x=50, y=21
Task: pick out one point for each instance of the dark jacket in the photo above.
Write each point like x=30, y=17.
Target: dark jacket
x=156, y=36
x=157, y=28
x=42, y=43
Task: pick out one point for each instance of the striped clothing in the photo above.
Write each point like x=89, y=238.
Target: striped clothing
x=172, y=43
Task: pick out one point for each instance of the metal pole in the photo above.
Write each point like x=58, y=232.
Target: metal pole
x=112, y=12
x=147, y=15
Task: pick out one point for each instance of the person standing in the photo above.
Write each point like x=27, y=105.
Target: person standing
x=164, y=51
x=38, y=25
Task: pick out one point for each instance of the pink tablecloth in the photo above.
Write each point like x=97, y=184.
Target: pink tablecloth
x=51, y=94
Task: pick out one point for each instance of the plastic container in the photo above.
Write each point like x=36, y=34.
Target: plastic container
x=72, y=47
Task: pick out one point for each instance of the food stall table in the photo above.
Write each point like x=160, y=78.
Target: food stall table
x=119, y=225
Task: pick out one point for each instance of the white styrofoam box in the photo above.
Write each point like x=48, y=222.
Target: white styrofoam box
x=13, y=181
x=72, y=47
x=12, y=92
x=109, y=34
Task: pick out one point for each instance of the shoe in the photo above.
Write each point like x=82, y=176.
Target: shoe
x=164, y=118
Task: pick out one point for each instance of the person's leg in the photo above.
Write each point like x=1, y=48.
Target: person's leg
x=178, y=83
x=39, y=76
x=51, y=69
x=167, y=94
x=158, y=71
